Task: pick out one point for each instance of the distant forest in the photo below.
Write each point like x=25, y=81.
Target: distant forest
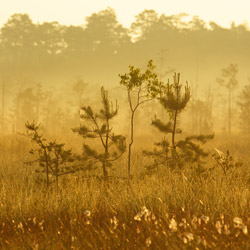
x=102, y=48
x=45, y=67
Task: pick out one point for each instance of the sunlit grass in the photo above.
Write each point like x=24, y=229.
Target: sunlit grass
x=166, y=210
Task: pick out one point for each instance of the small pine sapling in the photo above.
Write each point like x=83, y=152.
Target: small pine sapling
x=175, y=153
x=98, y=126
x=141, y=88
x=52, y=157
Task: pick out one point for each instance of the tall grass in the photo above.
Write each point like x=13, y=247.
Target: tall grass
x=166, y=210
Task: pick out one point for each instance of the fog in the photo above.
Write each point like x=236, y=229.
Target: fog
x=48, y=70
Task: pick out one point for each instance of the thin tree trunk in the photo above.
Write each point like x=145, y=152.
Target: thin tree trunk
x=104, y=165
x=175, y=123
x=174, y=130
x=131, y=142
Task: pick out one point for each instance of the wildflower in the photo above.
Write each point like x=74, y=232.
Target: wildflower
x=187, y=237
x=237, y=222
x=218, y=226
x=41, y=223
x=148, y=242
x=144, y=212
x=205, y=219
x=184, y=240
x=138, y=216
x=87, y=213
x=190, y=236
x=20, y=226
x=34, y=220
x=184, y=223
x=173, y=225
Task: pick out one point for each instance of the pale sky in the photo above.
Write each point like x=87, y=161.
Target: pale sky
x=223, y=12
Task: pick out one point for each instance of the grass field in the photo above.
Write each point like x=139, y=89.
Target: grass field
x=166, y=210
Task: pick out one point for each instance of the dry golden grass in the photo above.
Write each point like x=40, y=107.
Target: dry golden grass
x=163, y=211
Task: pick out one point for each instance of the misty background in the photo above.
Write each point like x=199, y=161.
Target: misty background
x=48, y=70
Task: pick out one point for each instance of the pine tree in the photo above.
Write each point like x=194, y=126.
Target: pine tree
x=97, y=126
x=173, y=153
x=53, y=159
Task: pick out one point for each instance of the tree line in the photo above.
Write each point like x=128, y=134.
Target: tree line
x=105, y=44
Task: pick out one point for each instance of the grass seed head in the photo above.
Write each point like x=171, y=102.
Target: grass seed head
x=237, y=222
x=244, y=229
x=205, y=219
x=87, y=213
x=173, y=225
x=148, y=242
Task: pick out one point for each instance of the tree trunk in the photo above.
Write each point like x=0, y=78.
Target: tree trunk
x=131, y=142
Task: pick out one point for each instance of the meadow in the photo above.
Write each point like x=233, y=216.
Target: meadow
x=162, y=164
x=164, y=210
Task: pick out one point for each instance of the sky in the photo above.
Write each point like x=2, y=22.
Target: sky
x=73, y=12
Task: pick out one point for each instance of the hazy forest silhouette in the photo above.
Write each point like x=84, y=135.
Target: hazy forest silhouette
x=104, y=45
x=51, y=54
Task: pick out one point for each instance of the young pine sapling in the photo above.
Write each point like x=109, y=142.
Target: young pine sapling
x=97, y=126
x=175, y=153
x=52, y=157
